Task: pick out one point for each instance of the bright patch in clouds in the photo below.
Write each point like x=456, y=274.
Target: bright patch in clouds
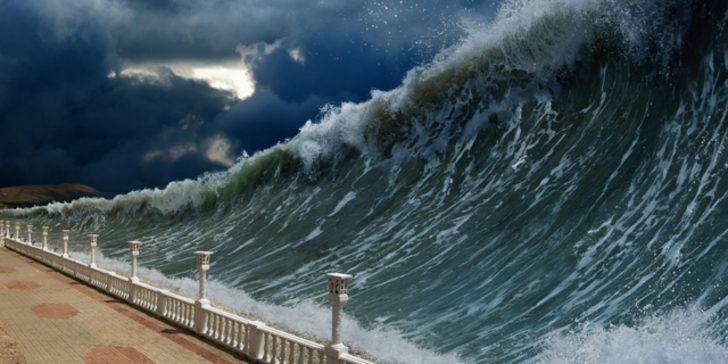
x=216, y=149
x=228, y=76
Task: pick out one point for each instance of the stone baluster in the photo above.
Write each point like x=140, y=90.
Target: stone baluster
x=92, y=243
x=65, y=242
x=45, y=237
x=7, y=228
x=338, y=286
x=203, y=265
x=2, y=227
x=17, y=231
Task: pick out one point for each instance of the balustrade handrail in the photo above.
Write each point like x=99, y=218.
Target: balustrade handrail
x=196, y=314
x=294, y=338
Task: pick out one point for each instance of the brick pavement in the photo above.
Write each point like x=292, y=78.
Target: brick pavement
x=55, y=319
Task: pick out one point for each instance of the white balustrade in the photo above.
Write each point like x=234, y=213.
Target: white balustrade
x=254, y=339
x=29, y=237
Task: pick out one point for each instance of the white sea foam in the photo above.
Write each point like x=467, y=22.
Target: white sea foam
x=682, y=336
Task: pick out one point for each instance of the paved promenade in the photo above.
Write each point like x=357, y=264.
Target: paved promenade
x=55, y=319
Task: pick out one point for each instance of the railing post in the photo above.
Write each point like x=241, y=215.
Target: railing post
x=134, y=251
x=30, y=234
x=162, y=302
x=92, y=243
x=45, y=237
x=338, y=287
x=2, y=232
x=256, y=344
x=65, y=242
x=17, y=231
x=7, y=228
x=203, y=265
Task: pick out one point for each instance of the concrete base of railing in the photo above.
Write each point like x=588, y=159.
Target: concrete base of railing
x=251, y=339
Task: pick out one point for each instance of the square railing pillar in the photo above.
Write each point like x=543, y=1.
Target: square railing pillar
x=45, y=237
x=17, y=231
x=29, y=237
x=203, y=265
x=92, y=243
x=162, y=302
x=338, y=288
x=134, y=252
x=64, y=234
x=256, y=342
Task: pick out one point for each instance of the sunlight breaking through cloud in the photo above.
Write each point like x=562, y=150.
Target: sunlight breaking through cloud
x=230, y=76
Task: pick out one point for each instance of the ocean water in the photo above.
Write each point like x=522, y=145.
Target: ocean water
x=552, y=189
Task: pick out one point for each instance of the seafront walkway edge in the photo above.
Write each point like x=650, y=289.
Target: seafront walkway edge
x=252, y=339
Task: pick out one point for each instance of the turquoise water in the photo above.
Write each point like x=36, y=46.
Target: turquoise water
x=551, y=189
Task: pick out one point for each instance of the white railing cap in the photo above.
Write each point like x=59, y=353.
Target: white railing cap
x=348, y=358
x=290, y=337
x=179, y=298
x=339, y=276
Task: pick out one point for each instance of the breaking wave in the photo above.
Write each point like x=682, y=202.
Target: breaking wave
x=564, y=164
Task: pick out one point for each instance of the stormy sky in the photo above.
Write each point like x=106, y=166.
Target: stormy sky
x=128, y=94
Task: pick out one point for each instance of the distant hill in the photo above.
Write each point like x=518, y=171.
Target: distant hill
x=22, y=196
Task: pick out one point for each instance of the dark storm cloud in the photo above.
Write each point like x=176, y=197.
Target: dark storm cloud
x=333, y=68
x=265, y=118
x=64, y=119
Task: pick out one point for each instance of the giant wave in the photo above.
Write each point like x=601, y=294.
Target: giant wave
x=552, y=188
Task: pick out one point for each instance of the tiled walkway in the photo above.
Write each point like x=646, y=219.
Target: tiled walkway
x=55, y=319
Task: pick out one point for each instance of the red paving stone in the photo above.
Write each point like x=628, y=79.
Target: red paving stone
x=103, y=354
x=99, y=335
x=21, y=285
x=7, y=270
x=55, y=311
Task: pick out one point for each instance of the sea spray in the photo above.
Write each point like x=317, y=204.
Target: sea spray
x=680, y=336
